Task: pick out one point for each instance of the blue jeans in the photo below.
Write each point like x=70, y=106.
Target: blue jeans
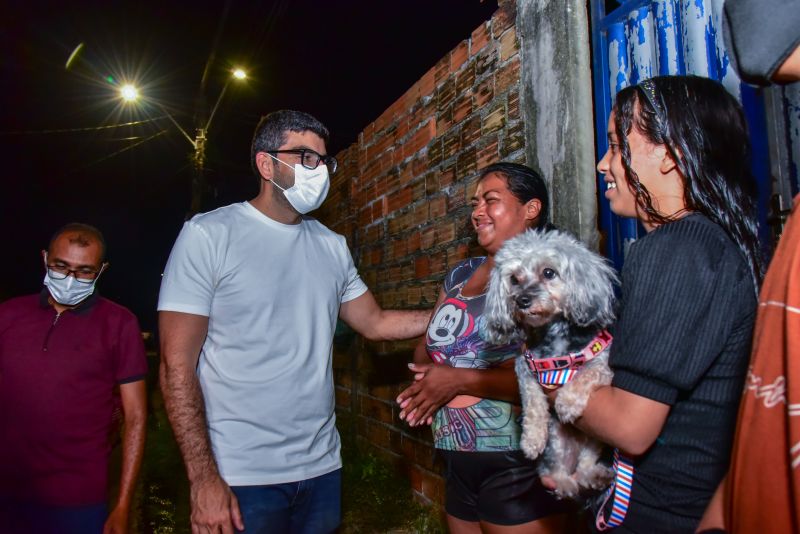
x=312, y=506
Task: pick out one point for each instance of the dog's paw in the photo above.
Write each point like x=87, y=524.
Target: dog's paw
x=572, y=398
x=533, y=440
x=562, y=484
x=596, y=477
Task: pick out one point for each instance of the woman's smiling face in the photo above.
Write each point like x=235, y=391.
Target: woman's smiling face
x=498, y=215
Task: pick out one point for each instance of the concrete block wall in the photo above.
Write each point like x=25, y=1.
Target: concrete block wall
x=402, y=200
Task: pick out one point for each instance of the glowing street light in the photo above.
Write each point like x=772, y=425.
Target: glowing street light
x=129, y=93
x=239, y=74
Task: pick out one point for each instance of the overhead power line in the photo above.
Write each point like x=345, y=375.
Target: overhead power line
x=87, y=129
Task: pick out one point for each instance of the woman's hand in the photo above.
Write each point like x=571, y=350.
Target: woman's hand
x=433, y=387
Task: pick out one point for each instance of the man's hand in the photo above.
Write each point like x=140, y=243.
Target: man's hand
x=117, y=522
x=214, y=507
x=433, y=387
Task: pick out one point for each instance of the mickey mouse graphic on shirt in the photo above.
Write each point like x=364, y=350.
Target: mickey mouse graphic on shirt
x=451, y=329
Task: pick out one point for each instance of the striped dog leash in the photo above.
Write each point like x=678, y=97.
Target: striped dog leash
x=621, y=488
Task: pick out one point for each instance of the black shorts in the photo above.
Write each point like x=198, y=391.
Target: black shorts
x=497, y=487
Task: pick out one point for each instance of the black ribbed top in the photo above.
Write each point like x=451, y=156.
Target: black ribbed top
x=683, y=339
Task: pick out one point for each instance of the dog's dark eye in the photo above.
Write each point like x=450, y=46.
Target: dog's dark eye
x=513, y=280
x=549, y=273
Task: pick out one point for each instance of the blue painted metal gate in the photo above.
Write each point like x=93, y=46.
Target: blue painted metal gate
x=639, y=39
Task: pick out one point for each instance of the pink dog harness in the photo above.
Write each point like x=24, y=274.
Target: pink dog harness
x=559, y=370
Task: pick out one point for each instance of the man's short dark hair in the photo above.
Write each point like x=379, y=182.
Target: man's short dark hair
x=271, y=131
x=84, y=235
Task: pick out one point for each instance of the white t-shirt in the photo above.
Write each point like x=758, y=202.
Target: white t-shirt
x=272, y=293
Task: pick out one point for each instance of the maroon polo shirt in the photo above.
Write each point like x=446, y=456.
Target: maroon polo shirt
x=58, y=375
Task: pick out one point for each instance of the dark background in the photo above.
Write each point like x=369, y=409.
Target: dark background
x=342, y=61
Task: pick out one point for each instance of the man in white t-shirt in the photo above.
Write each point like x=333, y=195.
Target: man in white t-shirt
x=247, y=311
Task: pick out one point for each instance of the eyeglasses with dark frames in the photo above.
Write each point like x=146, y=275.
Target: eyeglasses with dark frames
x=310, y=159
x=83, y=274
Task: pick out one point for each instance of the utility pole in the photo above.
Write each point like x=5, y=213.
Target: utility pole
x=199, y=179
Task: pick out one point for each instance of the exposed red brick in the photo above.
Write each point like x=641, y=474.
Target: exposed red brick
x=427, y=238
x=432, y=486
x=441, y=70
x=485, y=62
x=437, y=207
x=471, y=131
x=342, y=397
x=509, y=46
x=415, y=478
x=488, y=154
x=378, y=409
x=465, y=79
x=513, y=140
x=445, y=233
x=438, y=263
x=467, y=162
x=451, y=144
x=513, y=105
x=427, y=84
x=507, y=77
x=422, y=266
x=484, y=92
x=445, y=94
x=494, y=121
x=462, y=107
x=413, y=242
x=414, y=296
x=503, y=19
x=447, y=176
x=479, y=38
x=459, y=55
x=420, y=138
x=444, y=120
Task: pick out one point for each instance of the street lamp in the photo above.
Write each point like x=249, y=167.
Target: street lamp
x=129, y=93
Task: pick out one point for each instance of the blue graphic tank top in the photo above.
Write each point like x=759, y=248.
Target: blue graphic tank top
x=454, y=339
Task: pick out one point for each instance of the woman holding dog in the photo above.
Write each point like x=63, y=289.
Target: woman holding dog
x=468, y=394
x=678, y=162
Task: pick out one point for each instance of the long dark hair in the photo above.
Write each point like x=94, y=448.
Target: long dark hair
x=525, y=184
x=704, y=129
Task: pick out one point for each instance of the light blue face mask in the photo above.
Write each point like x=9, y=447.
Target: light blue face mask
x=68, y=291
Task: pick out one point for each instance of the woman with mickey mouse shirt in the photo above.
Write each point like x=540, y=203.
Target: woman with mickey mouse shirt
x=468, y=393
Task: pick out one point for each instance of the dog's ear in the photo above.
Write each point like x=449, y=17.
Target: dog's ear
x=591, y=298
x=498, y=327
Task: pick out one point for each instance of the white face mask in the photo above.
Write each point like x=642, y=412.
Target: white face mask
x=310, y=186
x=68, y=291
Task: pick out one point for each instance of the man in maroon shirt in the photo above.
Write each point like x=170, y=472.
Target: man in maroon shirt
x=67, y=358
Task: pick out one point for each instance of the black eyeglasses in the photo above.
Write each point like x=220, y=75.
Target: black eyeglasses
x=84, y=275
x=310, y=159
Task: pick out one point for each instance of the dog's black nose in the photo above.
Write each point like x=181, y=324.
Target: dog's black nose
x=523, y=301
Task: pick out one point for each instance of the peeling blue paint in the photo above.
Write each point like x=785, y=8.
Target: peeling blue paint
x=641, y=38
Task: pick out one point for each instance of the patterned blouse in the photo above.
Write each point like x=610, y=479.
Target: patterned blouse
x=454, y=339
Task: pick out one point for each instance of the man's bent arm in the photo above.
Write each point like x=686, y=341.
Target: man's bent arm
x=213, y=504
x=134, y=409
x=367, y=318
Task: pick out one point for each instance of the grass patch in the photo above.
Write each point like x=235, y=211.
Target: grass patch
x=375, y=498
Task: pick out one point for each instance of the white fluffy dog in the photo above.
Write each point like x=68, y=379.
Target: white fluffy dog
x=550, y=291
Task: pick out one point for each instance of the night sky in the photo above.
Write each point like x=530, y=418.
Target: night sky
x=342, y=61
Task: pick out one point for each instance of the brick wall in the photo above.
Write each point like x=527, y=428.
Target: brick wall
x=402, y=200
